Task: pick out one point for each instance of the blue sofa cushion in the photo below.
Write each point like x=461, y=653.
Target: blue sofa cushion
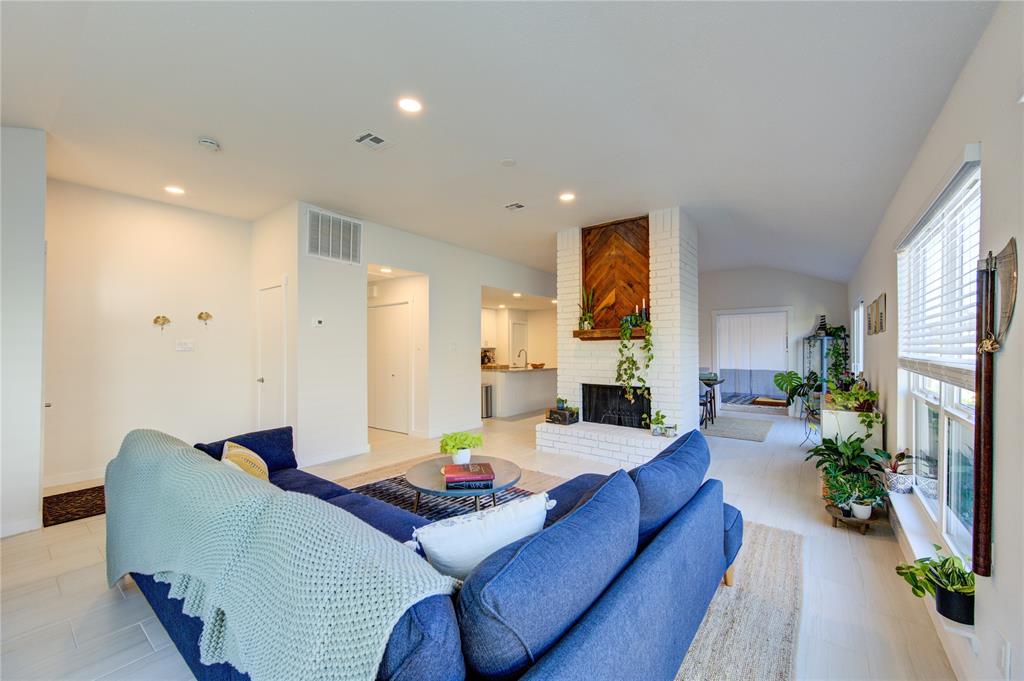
x=294, y=480
x=395, y=522
x=522, y=598
x=274, y=446
x=669, y=480
x=733, y=532
x=569, y=493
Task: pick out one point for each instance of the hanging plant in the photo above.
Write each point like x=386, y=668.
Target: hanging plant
x=631, y=371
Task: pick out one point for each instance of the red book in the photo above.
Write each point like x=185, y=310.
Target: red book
x=467, y=472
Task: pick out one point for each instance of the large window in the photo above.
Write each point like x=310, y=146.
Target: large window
x=937, y=265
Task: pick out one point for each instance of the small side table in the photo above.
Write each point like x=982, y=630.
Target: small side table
x=710, y=385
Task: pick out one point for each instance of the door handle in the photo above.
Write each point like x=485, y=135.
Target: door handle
x=260, y=380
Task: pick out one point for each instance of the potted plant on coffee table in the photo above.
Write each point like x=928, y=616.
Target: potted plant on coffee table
x=460, y=445
x=947, y=579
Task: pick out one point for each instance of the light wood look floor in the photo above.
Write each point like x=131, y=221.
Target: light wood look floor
x=60, y=621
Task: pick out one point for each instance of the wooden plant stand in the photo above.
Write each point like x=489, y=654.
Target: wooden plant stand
x=862, y=525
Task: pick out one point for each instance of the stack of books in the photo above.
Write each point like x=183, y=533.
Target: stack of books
x=468, y=476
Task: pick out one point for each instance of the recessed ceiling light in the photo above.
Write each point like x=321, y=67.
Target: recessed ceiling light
x=410, y=105
x=566, y=197
x=385, y=270
x=507, y=162
x=171, y=189
x=554, y=302
x=502, y=306
x=517, y=295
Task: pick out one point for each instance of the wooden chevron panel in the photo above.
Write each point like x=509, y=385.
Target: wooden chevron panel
x=616, y=264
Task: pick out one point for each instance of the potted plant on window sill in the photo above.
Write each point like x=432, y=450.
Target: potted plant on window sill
x=898, y=479
x=947, y=579
x=460, y=445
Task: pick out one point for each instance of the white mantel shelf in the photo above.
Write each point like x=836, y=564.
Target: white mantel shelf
x=618, y=445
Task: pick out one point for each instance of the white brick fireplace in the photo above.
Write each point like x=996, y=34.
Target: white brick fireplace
x=673, y=375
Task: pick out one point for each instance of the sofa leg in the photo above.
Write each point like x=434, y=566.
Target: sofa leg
x=728, y=578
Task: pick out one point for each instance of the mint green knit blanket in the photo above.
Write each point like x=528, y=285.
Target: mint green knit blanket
x=287, y=586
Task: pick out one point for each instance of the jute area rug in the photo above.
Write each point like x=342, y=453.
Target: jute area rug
x=736, y=428
x=750, y=629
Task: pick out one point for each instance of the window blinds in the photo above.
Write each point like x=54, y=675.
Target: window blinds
x=937, y=264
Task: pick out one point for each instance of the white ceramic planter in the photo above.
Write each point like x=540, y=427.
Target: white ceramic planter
x=462, y=456
x=861, y=511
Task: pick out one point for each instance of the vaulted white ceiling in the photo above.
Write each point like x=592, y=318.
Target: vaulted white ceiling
x=781, y=128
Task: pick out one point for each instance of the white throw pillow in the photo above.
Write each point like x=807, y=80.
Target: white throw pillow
x=454, y=546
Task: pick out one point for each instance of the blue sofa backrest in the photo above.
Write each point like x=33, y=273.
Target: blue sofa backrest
x=642, y=626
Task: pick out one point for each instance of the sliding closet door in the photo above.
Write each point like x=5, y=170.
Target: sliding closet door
x=752, y=347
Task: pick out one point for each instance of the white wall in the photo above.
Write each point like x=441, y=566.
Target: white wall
x=755, y=287
x=416, y=292
x=114, y=263
x=982, y=106
x=542, y=343
x=456, y=277
x=23, y=173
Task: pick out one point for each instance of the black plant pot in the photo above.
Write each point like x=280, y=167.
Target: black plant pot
x=955, y=606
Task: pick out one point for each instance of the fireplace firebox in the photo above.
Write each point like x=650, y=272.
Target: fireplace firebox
x=607, y=404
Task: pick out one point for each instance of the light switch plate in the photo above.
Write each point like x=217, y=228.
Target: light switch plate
x=184, y=346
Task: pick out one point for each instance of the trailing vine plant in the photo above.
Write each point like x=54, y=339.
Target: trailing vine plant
x=631, y=372
x=838, y=356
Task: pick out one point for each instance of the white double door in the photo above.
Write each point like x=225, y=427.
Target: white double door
x=389, y=370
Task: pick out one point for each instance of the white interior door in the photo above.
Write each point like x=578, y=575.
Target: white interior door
x=389, y=356
x=270, y=384
x=518, y=342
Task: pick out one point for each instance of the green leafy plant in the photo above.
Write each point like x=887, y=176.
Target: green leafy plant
x=848, y=456
x=838, y=354
x=657, y=419
x=587, y=311
x=924, y=575
x=867, y=491
x=855, y=399
x=899, y=462
x=630, y=373
x=453, y=442
x=797, y=387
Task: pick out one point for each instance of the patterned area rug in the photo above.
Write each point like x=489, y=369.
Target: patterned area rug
x=739, y=428
x=68, y=506
x=397, y=492
x=750, y=630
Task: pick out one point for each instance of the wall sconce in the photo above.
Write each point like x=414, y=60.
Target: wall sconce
x=204, y=317
x=161, y=321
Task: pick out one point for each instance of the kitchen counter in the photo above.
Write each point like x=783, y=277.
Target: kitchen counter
x=504, y=368
x=518, y=390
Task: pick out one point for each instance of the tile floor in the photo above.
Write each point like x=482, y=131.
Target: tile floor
x=60, y=621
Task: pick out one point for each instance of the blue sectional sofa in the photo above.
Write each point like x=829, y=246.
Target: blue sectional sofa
x=612, y=589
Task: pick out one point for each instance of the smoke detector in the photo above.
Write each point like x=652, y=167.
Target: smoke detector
x=209, y=144
x=372, y=140
x=514, y=206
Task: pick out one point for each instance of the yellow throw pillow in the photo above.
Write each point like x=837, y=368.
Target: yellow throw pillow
x=246, y=460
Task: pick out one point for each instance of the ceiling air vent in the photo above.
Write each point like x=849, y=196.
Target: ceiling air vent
x=514, y=206
x=334, y=237
x=372, y=140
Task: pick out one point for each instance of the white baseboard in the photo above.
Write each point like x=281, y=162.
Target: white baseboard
x=75, y=476
x=20, y=525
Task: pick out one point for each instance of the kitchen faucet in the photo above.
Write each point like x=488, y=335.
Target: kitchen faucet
x=523, y=352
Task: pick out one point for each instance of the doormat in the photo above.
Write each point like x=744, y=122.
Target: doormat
x=68, y=506
x=769, y=402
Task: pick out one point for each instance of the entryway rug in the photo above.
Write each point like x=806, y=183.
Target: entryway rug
x=751, y=628
x=397, y=492
x=755, y=430
x=68, y=506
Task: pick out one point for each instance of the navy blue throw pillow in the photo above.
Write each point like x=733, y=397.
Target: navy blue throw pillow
x=274, y=446
x=669, y=480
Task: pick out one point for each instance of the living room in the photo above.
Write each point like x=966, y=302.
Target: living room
x=286, y=243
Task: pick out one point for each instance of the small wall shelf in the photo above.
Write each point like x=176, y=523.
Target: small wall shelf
x=605, y=334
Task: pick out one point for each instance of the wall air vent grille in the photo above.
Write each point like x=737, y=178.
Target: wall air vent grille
x=334, y=237
x=372, y=140
x=514, y=206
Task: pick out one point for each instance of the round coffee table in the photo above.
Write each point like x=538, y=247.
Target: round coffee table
x=426, y=478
